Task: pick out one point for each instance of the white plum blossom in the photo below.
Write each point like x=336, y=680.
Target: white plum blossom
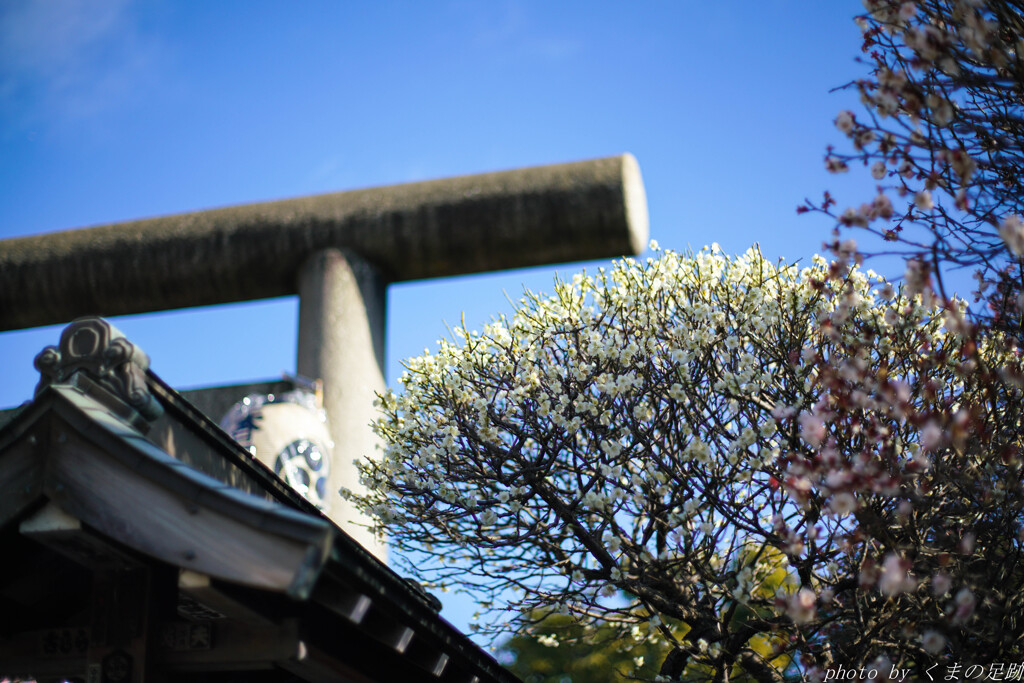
x=843, y=503
x=881, y=207
x=941, y=583
x=933, y=642
x=918, y=278
x=931, y=436
x=895, y=577
x=801, y=606
x=658, y=441
x=1012, y=232
x=548, y=640
x=812, y=429
x=907, y=11
x=836, y=165
x=923, y=200
x=845, y=122
x=964, y=604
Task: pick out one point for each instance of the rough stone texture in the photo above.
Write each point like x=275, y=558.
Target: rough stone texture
x=342, y=319
x=511, y=219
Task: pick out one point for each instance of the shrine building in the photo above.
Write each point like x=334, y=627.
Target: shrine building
x=140, y=542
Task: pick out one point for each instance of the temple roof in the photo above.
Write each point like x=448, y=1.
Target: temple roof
x=102, y=474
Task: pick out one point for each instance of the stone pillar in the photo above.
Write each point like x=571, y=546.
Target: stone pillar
x=342, y=319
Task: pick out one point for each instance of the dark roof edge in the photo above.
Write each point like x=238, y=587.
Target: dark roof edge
x=349, y=563
x=365, y=575
x=347, y=556
x=176, y=406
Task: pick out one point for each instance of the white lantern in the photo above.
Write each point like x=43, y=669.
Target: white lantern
x=288, y=433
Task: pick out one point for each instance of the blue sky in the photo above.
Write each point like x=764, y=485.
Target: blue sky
x=113, y=110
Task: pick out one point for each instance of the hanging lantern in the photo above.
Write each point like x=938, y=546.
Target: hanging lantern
x=288, y=433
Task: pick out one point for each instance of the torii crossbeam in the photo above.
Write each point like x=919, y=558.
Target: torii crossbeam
x=338, y=252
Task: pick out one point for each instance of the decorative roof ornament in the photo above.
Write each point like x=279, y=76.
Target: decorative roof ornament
x=98, y=349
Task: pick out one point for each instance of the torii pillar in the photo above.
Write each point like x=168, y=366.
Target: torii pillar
x=338, y=252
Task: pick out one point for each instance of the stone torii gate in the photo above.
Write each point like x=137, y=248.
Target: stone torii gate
x=338, y=252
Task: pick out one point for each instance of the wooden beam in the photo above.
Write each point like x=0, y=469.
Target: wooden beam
x=201, y=588
x=63, y=533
